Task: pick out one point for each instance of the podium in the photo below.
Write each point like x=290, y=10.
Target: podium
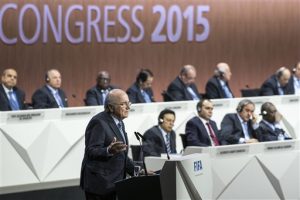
x=142, y=187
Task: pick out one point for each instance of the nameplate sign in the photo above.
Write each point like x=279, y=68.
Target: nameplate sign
x=78, y=113
x=174, y=107
x=289, y=100
x=221, y=104
x=232, y=151
x=25, y=116
x=280, y=146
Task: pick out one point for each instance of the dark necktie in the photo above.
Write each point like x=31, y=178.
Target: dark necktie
x=13, y=103
x=168, y=143
x=121, y=129
x=212, y=135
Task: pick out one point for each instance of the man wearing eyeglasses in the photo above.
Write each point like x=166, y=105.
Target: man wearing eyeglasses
x=106, y=149
x=183, y=87
x=97, y=94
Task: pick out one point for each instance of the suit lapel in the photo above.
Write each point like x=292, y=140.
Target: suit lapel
x=50, y=95
x=160, y=135
x=99, y=96
x=238, y=124
x=4, y=95
x=116, y=130
x=203, y=130
x=18, y=98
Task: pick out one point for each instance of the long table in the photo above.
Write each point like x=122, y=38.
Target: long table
x=44, y=148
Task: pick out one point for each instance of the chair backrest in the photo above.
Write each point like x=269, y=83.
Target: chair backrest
x=183, y=139
x=136, y=153
x=166, y=96
x=250, y=92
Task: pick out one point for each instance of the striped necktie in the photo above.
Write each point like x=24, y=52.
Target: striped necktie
x=121, y=129
x=168, y=145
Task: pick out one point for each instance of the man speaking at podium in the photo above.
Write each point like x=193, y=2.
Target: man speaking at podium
x=106, y=147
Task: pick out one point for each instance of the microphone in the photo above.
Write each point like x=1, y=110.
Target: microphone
x=138, y=137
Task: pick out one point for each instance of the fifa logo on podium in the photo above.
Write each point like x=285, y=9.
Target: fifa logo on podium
x=197, y=166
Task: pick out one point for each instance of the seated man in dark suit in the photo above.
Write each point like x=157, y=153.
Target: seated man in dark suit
x=269, y=127
x=11, y=97
x=51, y=95
x=277, y=84
x=97, y=94
x=239, y=128
x=183, y=87
x=294, y=82
x=141, y=90
x=201, y=130
x=217, y=87
x=161, y=138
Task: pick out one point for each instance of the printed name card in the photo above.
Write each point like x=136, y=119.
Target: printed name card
x=25, y=116
x=232, y=150
x=280, y=146
x=78, y=113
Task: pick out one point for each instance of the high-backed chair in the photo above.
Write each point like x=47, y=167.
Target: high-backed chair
x=183, y=139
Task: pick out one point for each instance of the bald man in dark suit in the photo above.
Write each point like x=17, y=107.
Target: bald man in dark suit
x=106, y=149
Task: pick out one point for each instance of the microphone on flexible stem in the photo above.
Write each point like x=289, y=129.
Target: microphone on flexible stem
x=138, y=137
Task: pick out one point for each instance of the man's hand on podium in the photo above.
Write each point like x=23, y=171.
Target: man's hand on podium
x=150, y=172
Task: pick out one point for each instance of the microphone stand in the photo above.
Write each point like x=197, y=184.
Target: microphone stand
x=138, y=137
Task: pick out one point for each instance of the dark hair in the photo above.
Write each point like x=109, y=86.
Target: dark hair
x=265, y=108
x=143, y=75
x=200, y=104
x=163, y=113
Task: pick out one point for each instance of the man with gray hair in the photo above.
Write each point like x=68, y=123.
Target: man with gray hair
x=277, y=84
x=217, y=87
x=106, y=149
x=50, y=95
x=183, y=87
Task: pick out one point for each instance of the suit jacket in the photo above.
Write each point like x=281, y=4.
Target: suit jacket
x=43, y=98
x=154, y=143
x=196, y=134
x=232, y=130
x=135, y=94
x=100, y=170
x=178, y=90
x=266, y=133
x=94, y=97
x=290, y=86
x=270, y=88
x=214, y=90
x=4, y=101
